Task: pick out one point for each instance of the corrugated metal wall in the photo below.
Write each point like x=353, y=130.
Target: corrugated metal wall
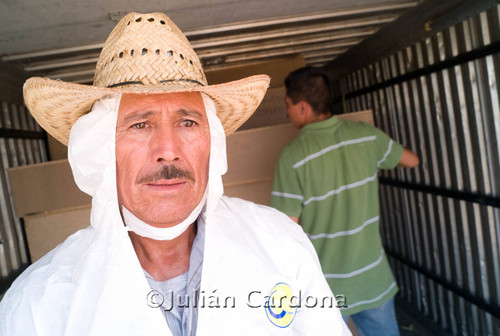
x=21, y=143
x=441, y=221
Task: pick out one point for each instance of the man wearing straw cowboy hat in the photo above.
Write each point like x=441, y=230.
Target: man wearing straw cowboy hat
x=166, y=253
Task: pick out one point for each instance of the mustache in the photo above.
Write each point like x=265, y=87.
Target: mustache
x=166, y=173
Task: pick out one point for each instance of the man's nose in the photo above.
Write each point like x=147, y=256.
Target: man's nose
x=165, y=145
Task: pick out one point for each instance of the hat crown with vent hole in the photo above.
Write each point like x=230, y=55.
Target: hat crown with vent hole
x=146, y=49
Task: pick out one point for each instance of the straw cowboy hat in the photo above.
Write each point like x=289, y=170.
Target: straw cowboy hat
x=146, y=54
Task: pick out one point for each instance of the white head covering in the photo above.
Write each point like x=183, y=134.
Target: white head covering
x=93, y=162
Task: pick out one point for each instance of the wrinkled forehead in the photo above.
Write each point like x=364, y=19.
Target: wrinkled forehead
x=188, y=103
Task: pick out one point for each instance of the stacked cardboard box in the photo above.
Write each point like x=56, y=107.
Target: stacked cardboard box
x=252, y=156
x=51, y=205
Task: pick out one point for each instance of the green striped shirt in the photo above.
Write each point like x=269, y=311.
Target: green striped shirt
x=328, y=176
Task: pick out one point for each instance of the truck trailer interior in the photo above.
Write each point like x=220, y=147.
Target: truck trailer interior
x=428, y=70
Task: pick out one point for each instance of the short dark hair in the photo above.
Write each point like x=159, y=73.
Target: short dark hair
x=312, y=85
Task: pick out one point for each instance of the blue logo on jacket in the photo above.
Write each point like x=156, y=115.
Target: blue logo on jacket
x=279, y=307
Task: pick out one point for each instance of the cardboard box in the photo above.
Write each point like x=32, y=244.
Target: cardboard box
x=57, y=150
x=277, y=69
x=270, y=112
x=47, y=230
x=252, y=154
x=360, y=116
x=253, y=191
x=45, y=187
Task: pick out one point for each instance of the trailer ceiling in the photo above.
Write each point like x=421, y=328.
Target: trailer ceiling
x=62, y=38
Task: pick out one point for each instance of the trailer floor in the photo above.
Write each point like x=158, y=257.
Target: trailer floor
x=411, y=322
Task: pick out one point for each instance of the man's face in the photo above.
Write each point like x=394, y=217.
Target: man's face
x=293, y=112
x=162, y=155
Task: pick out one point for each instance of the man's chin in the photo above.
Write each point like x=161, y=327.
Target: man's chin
x=164, y=219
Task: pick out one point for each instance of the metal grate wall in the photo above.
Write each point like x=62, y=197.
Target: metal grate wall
x=441, y=221
x=22, y=142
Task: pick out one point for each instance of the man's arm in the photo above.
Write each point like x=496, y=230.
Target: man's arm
x=408, y=159
x=295, y=219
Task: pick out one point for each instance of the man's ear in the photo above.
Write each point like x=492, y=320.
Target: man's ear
x=305, y=109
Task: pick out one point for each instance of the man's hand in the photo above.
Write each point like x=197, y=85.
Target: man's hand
x=295, y=219
x=408, y=159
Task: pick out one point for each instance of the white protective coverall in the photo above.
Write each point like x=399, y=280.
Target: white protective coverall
x=93, y=283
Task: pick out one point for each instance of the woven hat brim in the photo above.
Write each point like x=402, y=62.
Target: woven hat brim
x=56, y=105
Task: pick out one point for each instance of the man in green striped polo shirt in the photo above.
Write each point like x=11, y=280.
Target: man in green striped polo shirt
x=326, y=180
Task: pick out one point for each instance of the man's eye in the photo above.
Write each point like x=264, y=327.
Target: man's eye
x=188, y=123
x=140, y=125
